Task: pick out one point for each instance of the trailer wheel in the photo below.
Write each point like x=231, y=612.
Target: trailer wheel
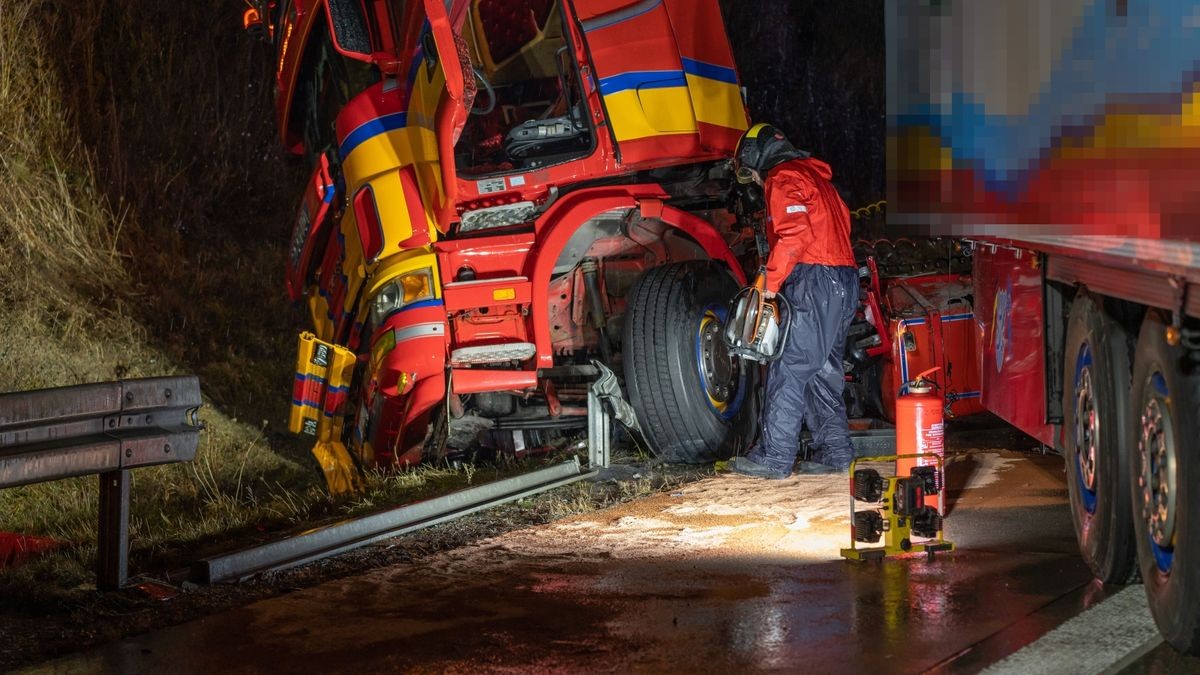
x=695, y=404
x=1095, y=425
x=1164, y=478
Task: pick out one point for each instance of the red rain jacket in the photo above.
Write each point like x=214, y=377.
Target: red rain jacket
x=807, y=221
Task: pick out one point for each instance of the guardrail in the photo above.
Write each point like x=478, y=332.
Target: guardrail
x=105, y=429
x=353, y=533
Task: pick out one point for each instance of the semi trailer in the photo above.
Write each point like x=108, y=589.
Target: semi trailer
x=1062, y=140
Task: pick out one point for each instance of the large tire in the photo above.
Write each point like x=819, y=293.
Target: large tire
x=688, y=413
x=1096, y=423
x=1165, y=482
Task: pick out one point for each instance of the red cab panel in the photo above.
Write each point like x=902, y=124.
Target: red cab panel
x=310, y=227
x=933, y=326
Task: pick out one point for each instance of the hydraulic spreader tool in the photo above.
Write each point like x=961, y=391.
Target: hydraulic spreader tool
x=758, y=326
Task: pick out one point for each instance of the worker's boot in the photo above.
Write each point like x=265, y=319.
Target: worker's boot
x=816, y=469
x=748, y=467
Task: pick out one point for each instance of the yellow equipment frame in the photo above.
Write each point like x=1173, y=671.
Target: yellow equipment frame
x=897, y=531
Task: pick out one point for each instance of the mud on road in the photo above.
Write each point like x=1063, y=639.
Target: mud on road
x=725, y=574
x=671, y=513
x=43, y=626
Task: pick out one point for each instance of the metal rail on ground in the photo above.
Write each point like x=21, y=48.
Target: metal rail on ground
x=347, y=535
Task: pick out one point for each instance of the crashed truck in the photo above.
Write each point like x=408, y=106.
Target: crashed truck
x=1065, y=137
x=511, y=202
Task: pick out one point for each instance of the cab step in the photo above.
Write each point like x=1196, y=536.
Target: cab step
x=496, y=353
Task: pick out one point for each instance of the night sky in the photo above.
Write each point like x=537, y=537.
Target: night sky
x=815, y=69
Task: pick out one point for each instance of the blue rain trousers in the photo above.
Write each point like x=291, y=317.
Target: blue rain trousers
x=805, y=383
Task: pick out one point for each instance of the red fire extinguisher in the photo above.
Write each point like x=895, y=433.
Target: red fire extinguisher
x=920, y=423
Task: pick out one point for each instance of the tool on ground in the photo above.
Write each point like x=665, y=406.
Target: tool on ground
x=901, y=514
x=758, y=326
x=920, y=424
x=17, y=548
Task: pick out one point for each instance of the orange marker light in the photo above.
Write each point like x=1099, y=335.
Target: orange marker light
x=1174, y=336
x=251, y=19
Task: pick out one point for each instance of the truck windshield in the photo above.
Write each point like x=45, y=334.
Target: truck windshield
x=529, y=111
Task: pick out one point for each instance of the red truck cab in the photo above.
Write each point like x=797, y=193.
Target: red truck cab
x=493, y=182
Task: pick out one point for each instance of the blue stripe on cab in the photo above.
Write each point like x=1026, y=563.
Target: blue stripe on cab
x=642, y=79
x=420, y=304
x=432, y=302
x=371, y=129
x=710, y=70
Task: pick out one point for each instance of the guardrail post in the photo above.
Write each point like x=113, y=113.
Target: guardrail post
x=599, y=432
x=112, y=554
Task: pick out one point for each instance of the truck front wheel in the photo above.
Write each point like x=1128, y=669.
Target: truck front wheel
x=1164, y=480
x=694, y=403
x=1095, y=425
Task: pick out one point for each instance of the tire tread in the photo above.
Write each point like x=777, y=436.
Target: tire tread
x=658, y=310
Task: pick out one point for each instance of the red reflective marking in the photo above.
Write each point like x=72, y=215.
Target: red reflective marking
x=370, y=230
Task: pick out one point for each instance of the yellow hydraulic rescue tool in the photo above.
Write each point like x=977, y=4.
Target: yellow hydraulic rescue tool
x=323, y=374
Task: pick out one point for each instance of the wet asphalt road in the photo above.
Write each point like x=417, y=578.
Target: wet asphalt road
x=725, y=575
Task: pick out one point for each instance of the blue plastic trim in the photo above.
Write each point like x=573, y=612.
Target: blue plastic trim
x=709, y=70
x=642, y=79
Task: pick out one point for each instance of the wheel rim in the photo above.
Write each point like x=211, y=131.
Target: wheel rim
x=720, y=374
x=1157, y=475
x=1087, y=428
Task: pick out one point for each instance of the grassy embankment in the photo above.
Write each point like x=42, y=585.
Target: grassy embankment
x=142, y=231
x=142, y=228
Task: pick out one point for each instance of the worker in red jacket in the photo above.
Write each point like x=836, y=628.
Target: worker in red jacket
x=811, y=264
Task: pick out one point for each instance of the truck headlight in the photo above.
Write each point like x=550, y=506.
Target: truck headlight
x=400, y=292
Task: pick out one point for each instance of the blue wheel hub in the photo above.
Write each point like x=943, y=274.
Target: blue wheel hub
x=1087, y=428
x=1156, y=481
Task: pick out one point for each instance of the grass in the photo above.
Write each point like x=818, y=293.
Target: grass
x=51, y=216
x=143, y=229
x=136, y=149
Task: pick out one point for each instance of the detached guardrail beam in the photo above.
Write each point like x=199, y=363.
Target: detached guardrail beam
x=352, y=533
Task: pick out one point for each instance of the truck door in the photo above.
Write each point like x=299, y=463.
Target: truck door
x=445, y=28
x=666, y=74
